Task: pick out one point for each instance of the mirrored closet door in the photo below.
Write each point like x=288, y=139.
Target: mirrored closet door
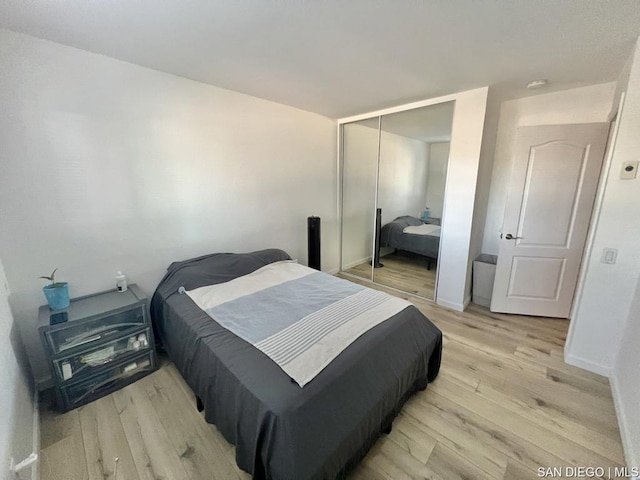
x=360, y=141
x=407, y=177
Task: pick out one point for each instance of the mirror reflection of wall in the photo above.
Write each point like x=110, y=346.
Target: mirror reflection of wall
x=412, y=166
x=437, y=177
x=359, y=176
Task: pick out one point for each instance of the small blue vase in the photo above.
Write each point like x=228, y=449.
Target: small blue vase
x=57, y=295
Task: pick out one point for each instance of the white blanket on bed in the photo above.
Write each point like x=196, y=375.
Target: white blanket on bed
x=300, y=318
x=424, y=229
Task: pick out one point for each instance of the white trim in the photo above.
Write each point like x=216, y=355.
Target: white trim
x=375, y=206
x=593, y=225
x=466, y=302
x=33, y=460
x=355, y=263
x=625, y=433
x=458, y=307
x=587, y=365
x=406, y=106
x=443, y=231
x=35, y=470
x=339, y=173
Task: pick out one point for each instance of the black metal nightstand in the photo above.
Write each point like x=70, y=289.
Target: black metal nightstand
x=97, y=345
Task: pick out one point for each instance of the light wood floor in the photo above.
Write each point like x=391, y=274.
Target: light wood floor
x=503, y=405
x=402, y=270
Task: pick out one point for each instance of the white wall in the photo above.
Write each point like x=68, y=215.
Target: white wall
x=404, y=163
x=359, y=170
x=580, y=105
x=454, y=264
x=484, y=177
x=437, y=177
x=625, y=375
x=608, y=290
x=16, y=399
x=625, y=383
x=107, y=166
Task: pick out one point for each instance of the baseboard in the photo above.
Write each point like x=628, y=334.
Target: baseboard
x=18, y=466
x=357, y=262
x=587, y=365
x=466, y=302
x=35, y=470
x=458, y=307
x=625, y=433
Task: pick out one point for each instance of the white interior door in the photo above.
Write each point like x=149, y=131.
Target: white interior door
x=551, y=193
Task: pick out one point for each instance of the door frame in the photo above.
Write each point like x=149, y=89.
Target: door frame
x=593, y=224
x=595, y=135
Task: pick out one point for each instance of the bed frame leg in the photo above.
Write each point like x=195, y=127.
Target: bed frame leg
x=199, y=404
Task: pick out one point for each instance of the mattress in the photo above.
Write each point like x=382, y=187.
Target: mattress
x=280, y=430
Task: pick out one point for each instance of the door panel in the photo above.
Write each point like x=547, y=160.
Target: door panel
x=359, y=177
x=551, y=193
x=412, y=175
x=533, y=277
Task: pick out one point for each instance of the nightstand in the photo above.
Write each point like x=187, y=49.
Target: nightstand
x=431, y=220
x=101, y=343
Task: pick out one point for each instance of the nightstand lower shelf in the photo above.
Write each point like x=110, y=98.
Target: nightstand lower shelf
x=108, y=381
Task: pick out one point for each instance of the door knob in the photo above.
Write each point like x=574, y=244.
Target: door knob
x=508, y=236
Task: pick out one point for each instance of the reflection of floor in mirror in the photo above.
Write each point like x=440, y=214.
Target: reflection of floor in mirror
x=402, y=270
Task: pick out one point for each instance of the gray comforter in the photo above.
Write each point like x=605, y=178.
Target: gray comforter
x=282, y=431
x=392, y=235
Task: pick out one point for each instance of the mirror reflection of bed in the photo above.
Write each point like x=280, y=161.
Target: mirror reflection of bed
x=396, y=163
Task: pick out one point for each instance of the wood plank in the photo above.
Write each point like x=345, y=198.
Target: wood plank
x=448, y=464
x=517, y=471
x=64, y=460
x=476, y=438
x=410, y=438
x=569, y=451
x=364, y=472
x=55, y=426
x=395, y=462
x=150, y=443
x=104, y=440
x=192, y=439
x=558, y=418
x=458, y=431
x=180, y=382
x=579, y=382
x=402, y=270
x=464, y=378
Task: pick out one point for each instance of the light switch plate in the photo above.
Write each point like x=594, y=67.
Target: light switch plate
x=629, y=170
x=609, y=255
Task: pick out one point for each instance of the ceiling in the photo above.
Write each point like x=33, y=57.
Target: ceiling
x=430, y=124
x=339, y=57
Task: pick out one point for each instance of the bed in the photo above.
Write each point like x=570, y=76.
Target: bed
x=393, y=235
x=280, y=430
